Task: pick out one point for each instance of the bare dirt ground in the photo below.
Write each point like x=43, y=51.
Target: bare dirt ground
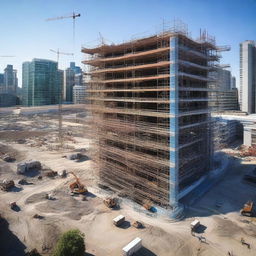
x=36, y=137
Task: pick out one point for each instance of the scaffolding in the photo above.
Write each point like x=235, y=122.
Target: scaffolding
x=144, y=129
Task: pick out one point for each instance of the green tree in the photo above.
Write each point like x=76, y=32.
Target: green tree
x=71, y=243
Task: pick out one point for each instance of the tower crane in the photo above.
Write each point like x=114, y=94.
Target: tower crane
x=58, y=53
x=73, y=16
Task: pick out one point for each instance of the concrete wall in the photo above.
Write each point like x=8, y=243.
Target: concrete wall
x=247, y=137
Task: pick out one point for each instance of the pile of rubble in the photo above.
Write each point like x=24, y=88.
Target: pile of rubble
x=250, y=151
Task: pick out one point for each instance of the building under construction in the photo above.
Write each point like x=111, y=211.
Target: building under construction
x=150, y=115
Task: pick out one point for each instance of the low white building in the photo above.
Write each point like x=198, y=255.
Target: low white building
x=79, y=94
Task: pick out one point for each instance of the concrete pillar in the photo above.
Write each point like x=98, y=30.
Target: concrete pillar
x=247, y=137
x=174, y=126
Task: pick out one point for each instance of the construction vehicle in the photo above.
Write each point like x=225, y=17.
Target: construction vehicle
x=111, y=202
x=119, y=220
x=14, y=206
x=77, y=187
x=247, y=209
x=194, y=224
x=137, y=224
x=7, y=185
x=148, y=205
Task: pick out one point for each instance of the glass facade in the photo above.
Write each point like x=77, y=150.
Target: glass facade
x=40, y=83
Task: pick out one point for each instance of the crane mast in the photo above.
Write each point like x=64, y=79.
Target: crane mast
x=58, y=53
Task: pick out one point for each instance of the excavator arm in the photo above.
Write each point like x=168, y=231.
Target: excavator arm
x=77, y=186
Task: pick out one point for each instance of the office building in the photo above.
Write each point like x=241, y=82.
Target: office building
x=72, y=77
x=10, y=80
x=79, y=94
x=2, y=87
x=222, y=97
x=40, y=85
x=233, y=82
x=248, y=76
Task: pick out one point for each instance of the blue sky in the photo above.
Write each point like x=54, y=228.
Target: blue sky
x=26, y=34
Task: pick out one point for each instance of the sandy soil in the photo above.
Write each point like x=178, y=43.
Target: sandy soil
x=218, y=209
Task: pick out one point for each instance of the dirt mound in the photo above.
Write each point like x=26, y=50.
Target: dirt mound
x=17, y=135
x=74, y=208
x=163, y=242
x=36, y=198
x=51, y=233
x=227, y=228
x=8, y=150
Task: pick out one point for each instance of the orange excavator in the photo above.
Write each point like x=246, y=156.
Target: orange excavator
x=76, y=187
x=248, y=209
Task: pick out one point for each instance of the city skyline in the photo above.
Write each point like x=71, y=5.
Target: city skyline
x=37, y=37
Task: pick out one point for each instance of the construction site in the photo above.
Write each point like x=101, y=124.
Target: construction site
x=45, y=205
x=142, y=162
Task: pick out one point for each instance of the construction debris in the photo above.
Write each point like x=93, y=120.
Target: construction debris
x=27, y=166
x=37, y=216
x=250, y=151
x=50, y=197
x=6, y=185
x=51, y=174
x=13, y=205
x=22, y=182
x=9, y=159
x=75, y=156
x=62, y=174
x=111, y=202
x=245, y=243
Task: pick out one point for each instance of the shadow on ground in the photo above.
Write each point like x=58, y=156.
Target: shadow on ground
x=31, y=173
x=227, y=193
x=90, y=194
x=83, y=159
x=126, y=224
x=144, y=252
x=200, y=229
x=10, y=244
x=16, y=189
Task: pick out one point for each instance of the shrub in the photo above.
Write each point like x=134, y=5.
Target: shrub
x=71, y=243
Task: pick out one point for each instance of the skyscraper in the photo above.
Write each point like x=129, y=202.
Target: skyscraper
x=70, y=77
x=69, y=81
x=2, y=88
x=40, y=82
x=61, y=82
x=248, y=76
x=10, y=80
x=233, y=82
